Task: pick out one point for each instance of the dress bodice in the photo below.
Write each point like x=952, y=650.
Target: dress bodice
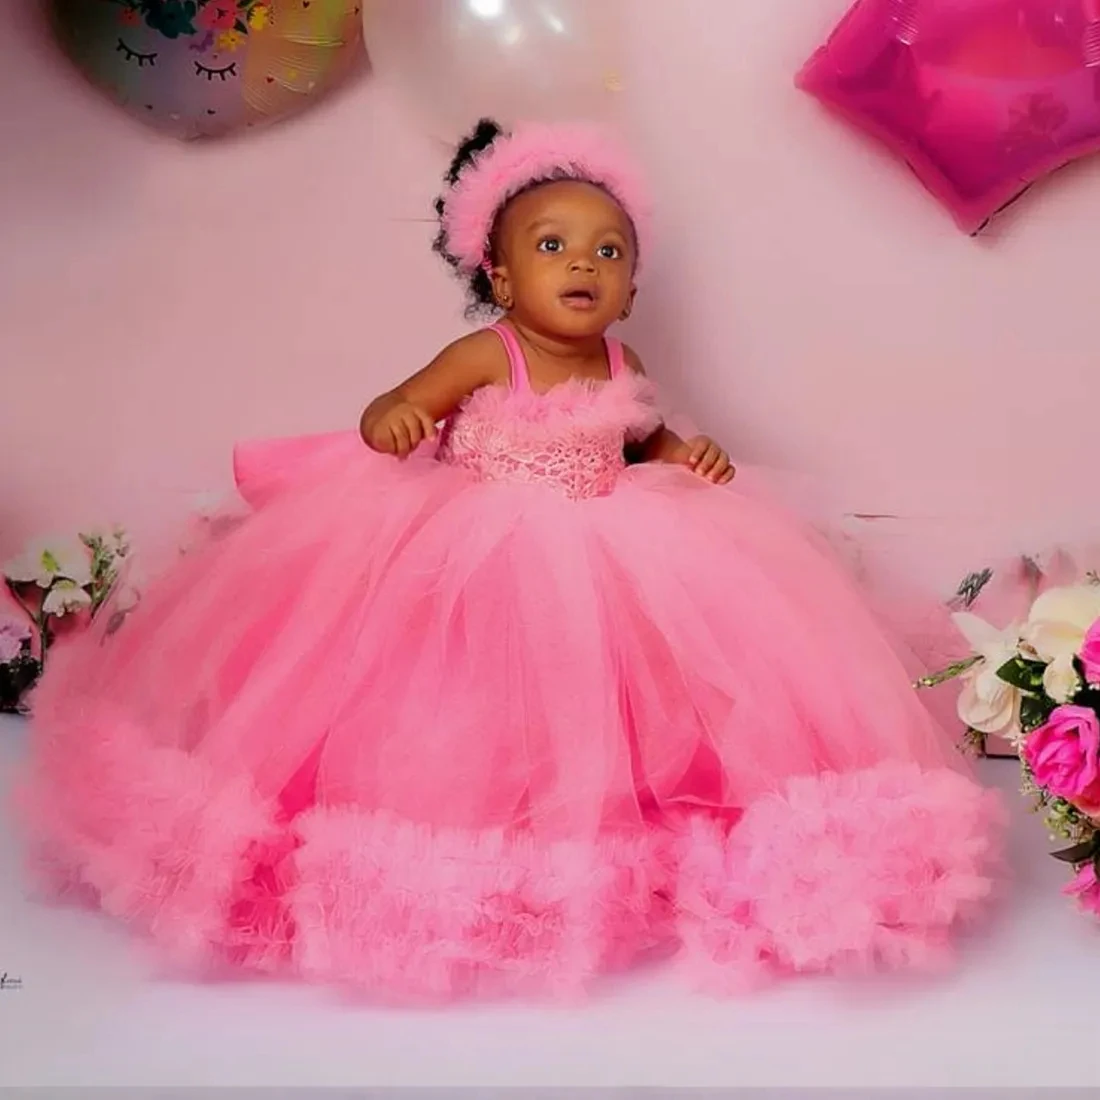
x=570, y=438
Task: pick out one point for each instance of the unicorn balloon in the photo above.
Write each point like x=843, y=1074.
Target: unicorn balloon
x=200, y=68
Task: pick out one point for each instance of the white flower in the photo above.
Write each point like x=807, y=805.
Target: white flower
x=1059, y=620
x=1060, y=680
x=44, y=561
x=987, y=704
x=65, y=596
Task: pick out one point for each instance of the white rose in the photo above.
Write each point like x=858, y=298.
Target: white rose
x=987, y=704
x=65, y=597
x=45, y=560
x=1059, y=620
x=1060, y=680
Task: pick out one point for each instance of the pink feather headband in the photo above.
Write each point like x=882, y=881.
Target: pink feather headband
x=530, y=154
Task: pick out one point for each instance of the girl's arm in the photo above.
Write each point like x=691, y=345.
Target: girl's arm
x=398, y=421
x=701, y=454
x=662, y=445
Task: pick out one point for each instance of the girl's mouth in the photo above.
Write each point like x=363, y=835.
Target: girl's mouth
x=580, y=298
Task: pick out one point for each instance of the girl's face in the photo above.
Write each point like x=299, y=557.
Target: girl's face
x=567, y=257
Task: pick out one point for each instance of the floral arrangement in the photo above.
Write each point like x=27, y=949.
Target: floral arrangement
x=53, y=583
x=1036, y=683
x=224, y=23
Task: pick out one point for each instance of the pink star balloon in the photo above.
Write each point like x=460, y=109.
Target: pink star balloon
x=980, y=97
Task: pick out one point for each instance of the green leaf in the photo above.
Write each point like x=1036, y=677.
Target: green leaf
x=1079, y=853
x=1023, y=674
x=241, y=26
x=1034, y=711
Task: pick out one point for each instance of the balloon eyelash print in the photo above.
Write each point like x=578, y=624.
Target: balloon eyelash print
x=205, y=68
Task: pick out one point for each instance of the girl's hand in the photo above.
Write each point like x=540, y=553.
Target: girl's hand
x=399, y=430
x=706, y=459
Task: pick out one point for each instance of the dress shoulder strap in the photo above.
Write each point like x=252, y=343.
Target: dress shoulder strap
x=616, y=360
x=517, y=363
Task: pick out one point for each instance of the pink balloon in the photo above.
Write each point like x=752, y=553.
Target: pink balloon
x=981, y=97
x=513, y=60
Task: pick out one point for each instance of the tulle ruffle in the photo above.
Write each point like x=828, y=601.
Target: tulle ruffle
x=626, y=405
x=867, y=871
x=873, y=870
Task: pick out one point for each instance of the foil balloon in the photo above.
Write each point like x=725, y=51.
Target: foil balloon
x=981, y=97
x=200, y=68
x=456, y=61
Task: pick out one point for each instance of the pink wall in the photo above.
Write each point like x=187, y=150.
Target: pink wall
x=158, y=301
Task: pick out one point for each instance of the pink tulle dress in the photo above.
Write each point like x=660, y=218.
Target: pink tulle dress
x=502, y=718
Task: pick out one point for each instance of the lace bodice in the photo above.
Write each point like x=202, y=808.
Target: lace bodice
x=570, y=438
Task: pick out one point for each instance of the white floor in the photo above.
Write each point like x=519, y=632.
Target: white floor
x=1023, y=1010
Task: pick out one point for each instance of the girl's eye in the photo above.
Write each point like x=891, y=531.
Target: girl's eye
x=609, y=252
x=550, y=244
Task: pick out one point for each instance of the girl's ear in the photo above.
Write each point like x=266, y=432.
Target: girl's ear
x=502, y=287
x=629, y=304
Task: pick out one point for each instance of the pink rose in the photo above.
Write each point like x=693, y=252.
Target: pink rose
x=218, y=15
x=1086, y=889
x=12, y=636
x=1090, y=654
x=1064, y=756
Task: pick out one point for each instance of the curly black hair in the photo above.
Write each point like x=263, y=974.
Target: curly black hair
x=481, y=302
x=479, y=289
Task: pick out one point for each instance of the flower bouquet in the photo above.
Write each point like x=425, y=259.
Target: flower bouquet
x=56, y=585
x=1036, y=683
x=224, y=22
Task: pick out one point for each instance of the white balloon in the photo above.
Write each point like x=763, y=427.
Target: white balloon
x=513, y=60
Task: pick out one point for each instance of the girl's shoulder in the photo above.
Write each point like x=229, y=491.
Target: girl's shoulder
x=463, y=367
x=481, y=353
x=633, y=360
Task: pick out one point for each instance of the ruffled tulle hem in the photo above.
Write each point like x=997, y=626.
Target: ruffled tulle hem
x=418, y=914
x=872, y=870
x=846, y=874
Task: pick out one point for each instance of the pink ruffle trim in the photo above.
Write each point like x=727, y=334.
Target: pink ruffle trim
x=166, y=857
x=626, y=403
x=425, y=915
x=870, y=870
x=844, y=873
